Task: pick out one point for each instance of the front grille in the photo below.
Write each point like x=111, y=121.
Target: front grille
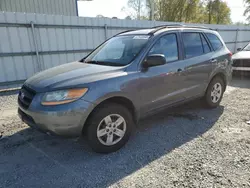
x=241, y=63
x=25, y=97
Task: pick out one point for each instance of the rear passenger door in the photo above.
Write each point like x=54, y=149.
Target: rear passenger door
x=197, y=60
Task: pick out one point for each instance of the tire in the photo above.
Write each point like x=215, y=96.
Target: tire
x=99, y=123
x=214, y=96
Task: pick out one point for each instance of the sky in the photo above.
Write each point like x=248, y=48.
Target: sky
x=113, y=8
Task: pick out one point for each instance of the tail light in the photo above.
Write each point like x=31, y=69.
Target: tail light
x=230, y=58
x=230, y=55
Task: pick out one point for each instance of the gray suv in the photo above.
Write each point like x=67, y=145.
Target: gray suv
x=130, y=76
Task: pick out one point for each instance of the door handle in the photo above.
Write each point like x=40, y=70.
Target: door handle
x=214, y=61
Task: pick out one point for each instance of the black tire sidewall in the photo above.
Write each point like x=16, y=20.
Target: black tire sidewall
x=97, y=116
x=208, y=98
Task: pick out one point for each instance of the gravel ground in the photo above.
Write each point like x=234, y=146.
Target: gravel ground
x=188, y=146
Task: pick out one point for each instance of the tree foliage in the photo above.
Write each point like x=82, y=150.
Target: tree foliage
x=247, y=10
x=189, y=11
x=218, y=12
x=137, y=6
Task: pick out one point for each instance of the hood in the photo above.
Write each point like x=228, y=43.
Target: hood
x=242, y=55
x=70, y=75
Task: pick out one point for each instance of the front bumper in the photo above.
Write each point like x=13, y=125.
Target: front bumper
x=64, y=120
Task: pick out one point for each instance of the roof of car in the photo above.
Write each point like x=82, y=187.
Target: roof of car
x=162, y=28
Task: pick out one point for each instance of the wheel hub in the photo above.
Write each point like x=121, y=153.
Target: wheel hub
x=216, y=92
x=111, y=129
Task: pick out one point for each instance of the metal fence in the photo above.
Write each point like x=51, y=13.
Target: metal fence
x=57, y=7
x=30, y=43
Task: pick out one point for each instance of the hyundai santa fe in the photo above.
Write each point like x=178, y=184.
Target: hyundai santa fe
x=128, y=77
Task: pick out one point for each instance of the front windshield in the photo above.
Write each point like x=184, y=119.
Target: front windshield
x=247, y=48
x=118, y=51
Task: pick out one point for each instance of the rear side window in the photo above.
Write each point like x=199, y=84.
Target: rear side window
x=192, y=44
x=215, y=41
x=206, y=47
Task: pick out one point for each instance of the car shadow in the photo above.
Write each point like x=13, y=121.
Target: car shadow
x=32, y=159
x=241, y=81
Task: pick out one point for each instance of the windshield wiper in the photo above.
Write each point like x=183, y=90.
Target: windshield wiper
x=92, y=62
x=103, y=63
x=111, y=64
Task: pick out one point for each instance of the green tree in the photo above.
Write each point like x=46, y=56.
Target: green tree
x=192, y=10
x=247, y=10
x=218, y=12
x=168, y=10
x=189, y=11
x=137, y=7
x=150, y=5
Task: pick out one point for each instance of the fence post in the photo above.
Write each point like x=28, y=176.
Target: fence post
x=236, y=40
x=106, y=31
x=39, y=67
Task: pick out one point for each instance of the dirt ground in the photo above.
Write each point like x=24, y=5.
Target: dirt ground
x=188, y=146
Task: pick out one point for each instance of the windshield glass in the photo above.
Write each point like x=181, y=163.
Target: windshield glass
x=118, y=51
x=247, y=48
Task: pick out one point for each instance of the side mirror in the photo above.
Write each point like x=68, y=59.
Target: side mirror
x=239, y=49
x=154, y=60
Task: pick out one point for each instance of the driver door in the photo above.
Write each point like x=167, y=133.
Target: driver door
x=162, y=85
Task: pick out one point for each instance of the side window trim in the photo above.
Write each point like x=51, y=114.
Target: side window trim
x=176, y=33
x=208, y=41
x=180, y=45
x=202, y=44
x=209, y=45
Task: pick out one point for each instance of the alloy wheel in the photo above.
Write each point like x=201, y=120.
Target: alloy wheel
x=111, y=129
x=216, y=92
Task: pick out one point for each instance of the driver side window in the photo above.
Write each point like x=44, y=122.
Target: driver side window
x=166, y=45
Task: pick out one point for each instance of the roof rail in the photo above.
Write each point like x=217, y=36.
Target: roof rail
x=169, y=25
x=198, y=27
x=157, y=28
x=124, y=32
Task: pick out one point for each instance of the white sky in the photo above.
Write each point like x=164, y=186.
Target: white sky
x=111, y=8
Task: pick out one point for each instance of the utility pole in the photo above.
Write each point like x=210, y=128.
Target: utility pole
x=139, y=10
x=152, y=9
x=210, y=7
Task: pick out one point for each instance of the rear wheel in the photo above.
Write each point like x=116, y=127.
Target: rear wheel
x=109, y=128
x=214, y=92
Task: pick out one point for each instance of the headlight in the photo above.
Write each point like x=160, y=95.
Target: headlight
x=63, y=96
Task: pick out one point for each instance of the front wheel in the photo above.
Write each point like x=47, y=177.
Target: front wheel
x=109, y=128
x=214, y=93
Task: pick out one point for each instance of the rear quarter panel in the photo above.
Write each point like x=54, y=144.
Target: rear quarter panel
x=224, y=61
x=223, y=64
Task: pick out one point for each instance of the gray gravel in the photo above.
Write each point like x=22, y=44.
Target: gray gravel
x=188, y=146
